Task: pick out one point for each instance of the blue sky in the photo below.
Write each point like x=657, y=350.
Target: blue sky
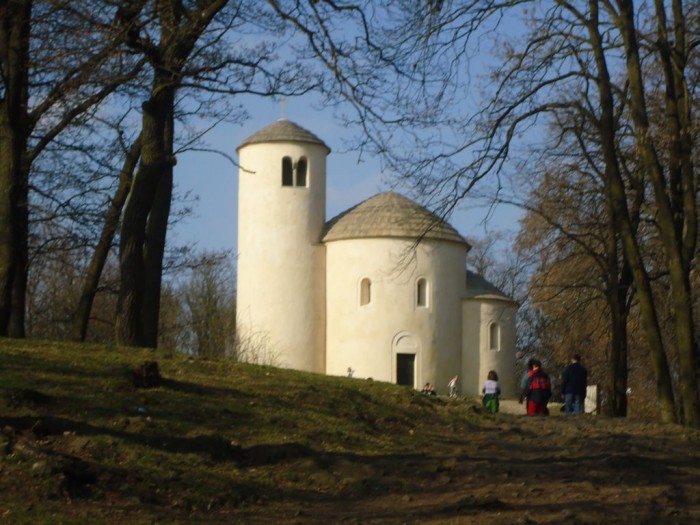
x=350, y=180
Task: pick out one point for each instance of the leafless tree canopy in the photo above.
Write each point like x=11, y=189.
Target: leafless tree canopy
x=592, y=89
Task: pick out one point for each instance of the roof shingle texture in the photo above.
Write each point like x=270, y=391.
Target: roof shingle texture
x=283, y=131
x=389, y=215
x=477, y=286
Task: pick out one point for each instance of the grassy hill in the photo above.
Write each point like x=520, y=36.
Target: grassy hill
x=219, y=442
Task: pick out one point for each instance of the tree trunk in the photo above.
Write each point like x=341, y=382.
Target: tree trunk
x=156, y=233
x=19, y=283
x=617, y=361
x=615, y=191
x=147, y=210
x=81, y=317
x=153, y=256
x=156, y=164
x=683, y=198
x=675, y=198
x=14, y=54
x=617, y=292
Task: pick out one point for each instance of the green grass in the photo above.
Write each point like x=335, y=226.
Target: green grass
x=81, y=444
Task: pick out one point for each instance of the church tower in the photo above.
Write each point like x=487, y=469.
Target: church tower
x=280, y=313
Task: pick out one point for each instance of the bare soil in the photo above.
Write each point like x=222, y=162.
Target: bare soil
x=515, y=469
x=503, y=469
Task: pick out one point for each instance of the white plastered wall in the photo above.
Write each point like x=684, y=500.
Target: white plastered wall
x=478, y=314
x=281, y=262
x=367, y=337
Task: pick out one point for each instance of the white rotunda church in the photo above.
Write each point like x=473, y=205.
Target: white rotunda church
x=382, y=289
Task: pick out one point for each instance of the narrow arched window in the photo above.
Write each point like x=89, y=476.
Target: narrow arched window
x=365, y=291
x=422, y=292
x=287, y=173
x=494, y=337
x=301, y=172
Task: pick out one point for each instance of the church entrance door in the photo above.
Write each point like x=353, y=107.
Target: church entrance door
x=406, y=357
x=406, y=369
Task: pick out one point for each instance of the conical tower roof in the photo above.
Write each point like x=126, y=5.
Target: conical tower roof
x=389, y=215
x=283, y=131
x=479, y=288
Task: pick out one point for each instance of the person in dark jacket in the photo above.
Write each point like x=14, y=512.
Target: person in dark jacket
x=538, y=391
x=573, y=386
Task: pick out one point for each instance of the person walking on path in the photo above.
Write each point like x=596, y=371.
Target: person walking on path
x=491, y=391
x=526, y=377
x=538, y=391
x=573, y=386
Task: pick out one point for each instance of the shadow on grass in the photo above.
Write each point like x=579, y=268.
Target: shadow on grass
x=207, y=392
x=215, y=447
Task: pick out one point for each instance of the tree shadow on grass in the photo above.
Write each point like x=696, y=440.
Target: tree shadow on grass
x=213, y=446
x=208, y=392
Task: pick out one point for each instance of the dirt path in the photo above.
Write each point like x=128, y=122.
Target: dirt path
x=511, y=406
x=513, y=470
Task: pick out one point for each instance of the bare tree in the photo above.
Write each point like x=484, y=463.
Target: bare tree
x=110, y=226
x=199, y=48
x=55, y=67
x=580, y=281
x=573, y=56
x=14, y=35
x=209, y=307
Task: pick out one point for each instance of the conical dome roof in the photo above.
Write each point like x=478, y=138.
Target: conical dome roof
x=389, y=215
x=478, y=287
x=283, y=131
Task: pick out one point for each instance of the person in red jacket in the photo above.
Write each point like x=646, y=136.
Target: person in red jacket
x=538, y=391
x=524, y=380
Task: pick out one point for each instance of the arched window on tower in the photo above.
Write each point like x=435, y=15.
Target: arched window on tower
x=301, y=172
x=287, y=173
x=494, y=337
x=365, y=291
x=422, y=292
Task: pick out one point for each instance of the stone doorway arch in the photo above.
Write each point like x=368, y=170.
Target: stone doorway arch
x=405, y=357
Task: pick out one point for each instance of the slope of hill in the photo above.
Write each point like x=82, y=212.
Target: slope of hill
x=83, y=440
